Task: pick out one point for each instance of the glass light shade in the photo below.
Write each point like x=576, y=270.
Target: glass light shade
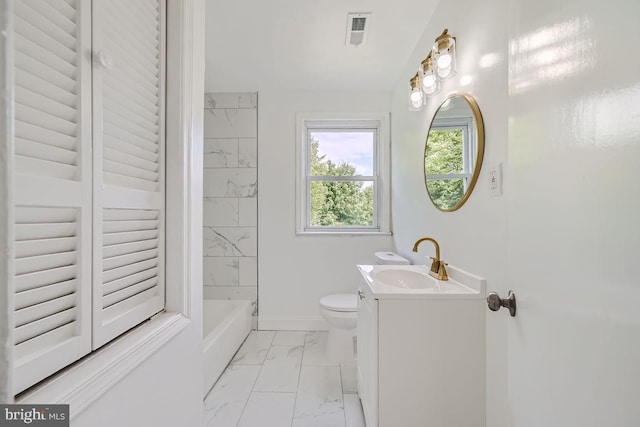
x=416, y=97
x=430, y=83
x=444, y=55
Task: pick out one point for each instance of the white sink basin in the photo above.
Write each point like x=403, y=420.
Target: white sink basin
x=403, y=278
x=414, y=281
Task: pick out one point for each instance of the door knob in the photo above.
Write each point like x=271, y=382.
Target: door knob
x=495, y=302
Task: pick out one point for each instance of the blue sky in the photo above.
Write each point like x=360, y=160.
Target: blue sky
x=355, y=148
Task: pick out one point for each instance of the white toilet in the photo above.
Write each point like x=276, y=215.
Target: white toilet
x=341, y=313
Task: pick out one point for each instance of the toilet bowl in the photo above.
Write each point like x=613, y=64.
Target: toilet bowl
x=341, y=313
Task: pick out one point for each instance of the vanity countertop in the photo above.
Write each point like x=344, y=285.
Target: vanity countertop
x=414, y=282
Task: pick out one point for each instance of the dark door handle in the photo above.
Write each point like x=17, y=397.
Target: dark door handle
x=495, y=302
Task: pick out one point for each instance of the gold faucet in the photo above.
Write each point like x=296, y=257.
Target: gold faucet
x=438, y=267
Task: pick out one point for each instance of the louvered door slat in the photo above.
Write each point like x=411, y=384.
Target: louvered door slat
x=44, y=293
x=110, y=251
x=45, y=104
x=129, y=280
x=125, y=102
x=61, y=16
x=129, y=138
x=41, y=151
x=120, y=238
x=130, y=160
x=44, y=56
x=52, y=276
x=125, y=88
x=128, y=270
x=25, y=282
x=43, y=310
x=46, y=88
x=124, y=294
x=142, y=25
x=27, y=65
x=42, y=326
x=30, y=248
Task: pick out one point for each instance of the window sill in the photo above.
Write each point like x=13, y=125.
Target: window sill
x=84, y=382
x=344, y=233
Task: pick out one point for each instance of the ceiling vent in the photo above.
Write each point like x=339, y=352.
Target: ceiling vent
x=357, y=28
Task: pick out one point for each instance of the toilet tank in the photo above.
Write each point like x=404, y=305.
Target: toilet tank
x=390, y=258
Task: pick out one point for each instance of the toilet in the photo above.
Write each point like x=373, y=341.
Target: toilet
x=341, y=313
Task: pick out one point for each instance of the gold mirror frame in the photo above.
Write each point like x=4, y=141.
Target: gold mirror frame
x=479, y=124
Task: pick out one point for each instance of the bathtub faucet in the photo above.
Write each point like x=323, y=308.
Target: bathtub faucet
x=438, y=267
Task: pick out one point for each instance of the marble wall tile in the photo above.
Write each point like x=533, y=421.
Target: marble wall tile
x=221, y=153
x=230, y=241
x=248, y=212
x=248, y=152
x=230, y=182
x=221, y=100
x=268, y=409
x=280, y=370
x=319, y=401
x=248, y=100
x=220, y=211
x=224, y=404
x=221, y=271
x=230, y=123
x=255, y=348
x=248, y=275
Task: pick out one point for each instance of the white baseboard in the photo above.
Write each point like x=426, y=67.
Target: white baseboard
x=284, y=323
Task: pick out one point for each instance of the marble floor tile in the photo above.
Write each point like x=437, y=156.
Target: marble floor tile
x=315, y=350
x=280, y=370
x=319, y=400
x=255, y=348
x=349, y=374
x=268, y=410
x=289, y=338
x=225, y=402
x=353, y=411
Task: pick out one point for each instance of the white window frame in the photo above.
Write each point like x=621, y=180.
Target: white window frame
x=84, y=382
x=469, y=151
x=305, y=123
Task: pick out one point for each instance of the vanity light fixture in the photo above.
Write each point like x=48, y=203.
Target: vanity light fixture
x=430, y=83
x=416, y=96
x=440, y=64
x=444, y=53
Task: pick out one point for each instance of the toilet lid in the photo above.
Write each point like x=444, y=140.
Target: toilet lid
x=340, y=302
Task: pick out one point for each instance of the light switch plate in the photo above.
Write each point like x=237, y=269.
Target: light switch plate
x=495, y=180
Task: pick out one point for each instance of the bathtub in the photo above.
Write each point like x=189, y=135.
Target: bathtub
x=226, y=325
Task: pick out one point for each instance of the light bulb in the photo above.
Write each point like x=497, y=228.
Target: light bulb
x=444, y=72
x=416, y=98
x=444, y=60
x=428, y=82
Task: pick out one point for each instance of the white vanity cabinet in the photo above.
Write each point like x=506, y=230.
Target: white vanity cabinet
x=421, y=359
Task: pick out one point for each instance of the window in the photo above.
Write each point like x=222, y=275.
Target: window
x=343, y=173
x=452, y=151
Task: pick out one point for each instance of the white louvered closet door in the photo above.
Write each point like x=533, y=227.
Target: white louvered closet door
x=52, y=301
x=128, y=105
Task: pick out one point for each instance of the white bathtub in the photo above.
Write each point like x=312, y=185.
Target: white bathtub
x=226, y=325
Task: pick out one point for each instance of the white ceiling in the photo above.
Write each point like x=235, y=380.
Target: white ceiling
x=300, y=44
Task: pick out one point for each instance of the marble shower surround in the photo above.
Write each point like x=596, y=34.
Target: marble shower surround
x=230, y=209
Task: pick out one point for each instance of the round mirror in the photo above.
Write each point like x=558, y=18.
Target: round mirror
x=453, y=152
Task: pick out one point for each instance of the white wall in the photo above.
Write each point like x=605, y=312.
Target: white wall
x=474, y=237
x=295, y=271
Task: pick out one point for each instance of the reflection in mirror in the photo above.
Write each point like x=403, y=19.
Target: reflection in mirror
x=453, y=152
